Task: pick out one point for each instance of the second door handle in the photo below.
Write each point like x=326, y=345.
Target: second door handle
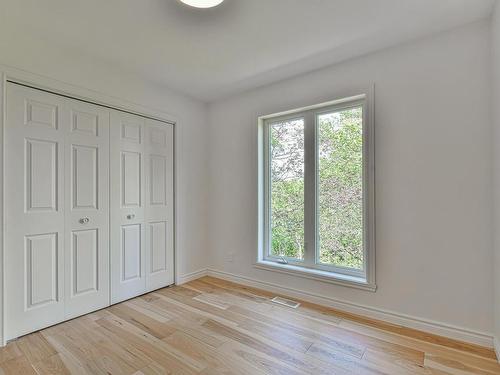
x=84, y=220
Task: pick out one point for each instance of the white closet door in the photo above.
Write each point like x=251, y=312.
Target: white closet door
x=142, y=256
x=87, y=209
x=34, y=210
x=159, y=205
x=84, y=185
x=127, y=231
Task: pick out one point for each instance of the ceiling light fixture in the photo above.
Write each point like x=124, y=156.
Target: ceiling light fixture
x=202, y=3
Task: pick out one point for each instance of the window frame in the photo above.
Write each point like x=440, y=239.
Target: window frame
x=310, y=266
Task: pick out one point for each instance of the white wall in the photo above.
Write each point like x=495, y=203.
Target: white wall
x=495, y=43
x=69, y=66
x=433, y=176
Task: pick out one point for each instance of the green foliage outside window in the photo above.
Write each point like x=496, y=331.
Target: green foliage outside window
x=287, y=188
x=340, y=200
x=340, y=193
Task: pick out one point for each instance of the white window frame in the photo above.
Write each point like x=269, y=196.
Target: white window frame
x=308, y=267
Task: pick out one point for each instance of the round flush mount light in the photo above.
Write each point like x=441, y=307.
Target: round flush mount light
x=202, y=3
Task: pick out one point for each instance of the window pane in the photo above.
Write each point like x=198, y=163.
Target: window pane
x=287, y=188
x=340, y=200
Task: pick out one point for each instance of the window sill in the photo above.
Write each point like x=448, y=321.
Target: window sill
x=319, y=275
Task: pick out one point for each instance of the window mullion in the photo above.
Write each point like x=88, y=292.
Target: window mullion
x=310, y=188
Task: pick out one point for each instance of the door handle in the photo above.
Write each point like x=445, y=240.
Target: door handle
x=130, y=216
x=84, y=220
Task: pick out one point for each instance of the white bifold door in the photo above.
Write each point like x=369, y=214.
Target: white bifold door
x=141, y=205
x=88, y=217
x=56, y=209
x=86, y=235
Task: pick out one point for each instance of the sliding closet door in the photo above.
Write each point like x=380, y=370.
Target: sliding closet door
x=142, y=257
x=159, y=205
x=34, y=209
x=128, y=180
x=87, y=208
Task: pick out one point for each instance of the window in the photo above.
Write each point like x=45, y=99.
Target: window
x=317, y=192
x=286, y=147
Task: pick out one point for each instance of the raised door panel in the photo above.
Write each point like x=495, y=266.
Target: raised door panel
x=85, y=262
x=158, y=136
x=40, y=113
x=131, y=130
x=131, y=184
x=41, y=270
x=84, y=187
x=41, y=175
x=131, y=252
x=158, y=178
x=158, y=247
x=85, y=123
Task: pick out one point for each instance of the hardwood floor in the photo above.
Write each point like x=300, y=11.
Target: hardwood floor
x=211, y=326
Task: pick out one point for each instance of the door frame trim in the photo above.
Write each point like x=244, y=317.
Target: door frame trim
x=54, y=86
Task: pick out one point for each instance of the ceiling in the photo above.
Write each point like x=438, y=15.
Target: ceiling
x=239, y=45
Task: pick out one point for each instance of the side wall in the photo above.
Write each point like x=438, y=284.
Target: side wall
x=495, y=43
x=433, y=179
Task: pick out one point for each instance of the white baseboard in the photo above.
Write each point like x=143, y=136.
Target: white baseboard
x=437, y=328
x=496, y=345
x=182, y=279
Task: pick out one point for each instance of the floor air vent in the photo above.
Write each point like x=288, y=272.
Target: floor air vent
x=285, y=302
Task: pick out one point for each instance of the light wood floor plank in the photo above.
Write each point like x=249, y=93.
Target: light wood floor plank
x=55, y=365
x=10, y=351
x=35, y=348
x=423, y=346
x=18, y=365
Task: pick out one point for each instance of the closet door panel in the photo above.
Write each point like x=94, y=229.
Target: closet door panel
x=41, y=175
x=159, y=205
x=85, y=188
x=127, y=178
x=87, y=202
x=85, y=265
x=34, y=209
x=131, y=247
x=41, y=265
x=131, y=179
x=158, y=244
x=158, y=180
